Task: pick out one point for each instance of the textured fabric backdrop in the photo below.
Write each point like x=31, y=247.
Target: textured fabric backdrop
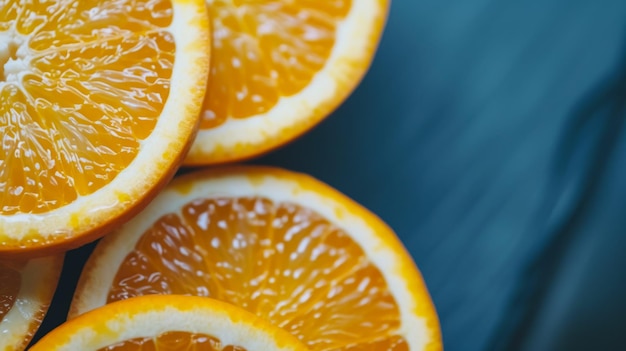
x=489, y=135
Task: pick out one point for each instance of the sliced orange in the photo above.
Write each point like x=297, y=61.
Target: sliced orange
x=98, y=103
x=169, y=323
x=26, y=289
x=281, y=245
x=278, y=68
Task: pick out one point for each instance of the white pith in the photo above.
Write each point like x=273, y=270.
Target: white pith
x=14, y=68
x=100, y=271
x=156, y=155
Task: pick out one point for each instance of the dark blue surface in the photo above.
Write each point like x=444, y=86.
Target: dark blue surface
x=490, y=135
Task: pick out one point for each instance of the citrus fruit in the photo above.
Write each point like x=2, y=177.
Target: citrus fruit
x=169, y=323
x=278, y=68
x=279, y=244
x=26, y=289
x=99, y=101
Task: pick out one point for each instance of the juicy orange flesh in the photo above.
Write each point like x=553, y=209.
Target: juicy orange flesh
x=280, y=261
x=10, y=282
x=173, y=341
x=263, y=50
x=81, y=84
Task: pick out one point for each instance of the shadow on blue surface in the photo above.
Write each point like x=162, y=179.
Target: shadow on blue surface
x=575, y=211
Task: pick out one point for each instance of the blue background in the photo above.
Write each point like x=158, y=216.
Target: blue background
x=490, y=135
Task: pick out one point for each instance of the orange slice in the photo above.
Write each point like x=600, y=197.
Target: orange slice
x=26, y=289
x=279, y=244
x=98, y=103
x=278, y=68
x=168, y=323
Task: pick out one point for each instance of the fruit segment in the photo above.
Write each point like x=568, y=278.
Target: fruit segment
x=170, y=341
x=82, y=84
x=280, y=261
x=264, y=50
